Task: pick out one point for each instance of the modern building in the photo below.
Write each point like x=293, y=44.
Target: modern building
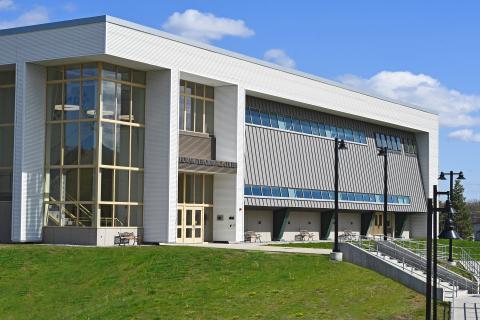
x=108, y=126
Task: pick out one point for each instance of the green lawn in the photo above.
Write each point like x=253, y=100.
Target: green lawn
x=55, y=282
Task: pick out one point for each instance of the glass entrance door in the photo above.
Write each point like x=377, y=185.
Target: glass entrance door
x=190, y=225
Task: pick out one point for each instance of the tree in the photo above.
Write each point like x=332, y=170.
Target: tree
x=463, y=217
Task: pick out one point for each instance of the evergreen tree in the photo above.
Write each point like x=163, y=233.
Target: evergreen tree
x=463, y=217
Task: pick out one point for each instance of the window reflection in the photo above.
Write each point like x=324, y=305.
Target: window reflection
x=76, y=169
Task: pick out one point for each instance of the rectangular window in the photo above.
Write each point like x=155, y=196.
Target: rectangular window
x=256, y=191
x=266, y=191
x=196, y=108
x=306, y=127
x=281, y=123
x=256, y=117
x=284, y=192
x=276, y=192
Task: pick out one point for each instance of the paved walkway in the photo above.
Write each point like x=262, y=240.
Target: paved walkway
x=255, y=247
x=467, y=307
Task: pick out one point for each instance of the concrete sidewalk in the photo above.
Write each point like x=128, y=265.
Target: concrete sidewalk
x=254, y=247
x=467, y=307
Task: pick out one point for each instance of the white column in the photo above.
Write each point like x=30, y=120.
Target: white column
x=161, y=156
x=29, y=153
x=228, y=189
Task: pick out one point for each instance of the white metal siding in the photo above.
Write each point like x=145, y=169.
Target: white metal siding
x=161, y=156
x=29, y=150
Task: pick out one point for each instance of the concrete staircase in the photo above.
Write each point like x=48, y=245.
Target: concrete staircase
x=404, y=266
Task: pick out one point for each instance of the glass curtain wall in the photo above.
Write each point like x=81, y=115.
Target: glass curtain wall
x=95, y=141
x=196, y=107
x=7, y=116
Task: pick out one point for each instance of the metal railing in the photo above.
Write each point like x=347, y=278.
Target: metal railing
x=411, y=262
x=471, y=264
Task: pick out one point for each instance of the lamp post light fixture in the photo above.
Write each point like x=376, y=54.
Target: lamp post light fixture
x=383, y=152
x=442, y=177
x=448, y=233
x=339, y=145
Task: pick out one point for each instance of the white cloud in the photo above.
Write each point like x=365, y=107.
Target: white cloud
x=465, y=135
x=34, y=16
x=205, y=27
x=6, y=4
x=280, y=57
x=455, y=108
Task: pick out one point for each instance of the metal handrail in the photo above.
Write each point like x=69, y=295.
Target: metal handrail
x=409, y=258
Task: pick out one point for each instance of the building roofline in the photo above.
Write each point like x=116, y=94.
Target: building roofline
x=163, y=34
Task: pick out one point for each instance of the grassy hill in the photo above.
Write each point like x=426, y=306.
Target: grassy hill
x=56, y=282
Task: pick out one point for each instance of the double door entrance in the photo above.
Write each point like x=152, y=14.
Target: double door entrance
x=378, y=221
x=190, y=224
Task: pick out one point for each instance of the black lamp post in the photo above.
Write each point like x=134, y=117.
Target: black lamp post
x=383, y=152
x=339, y=145
x=448, y=233
x=451, y=175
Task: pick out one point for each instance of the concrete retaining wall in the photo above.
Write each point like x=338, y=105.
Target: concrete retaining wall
x=364, y=259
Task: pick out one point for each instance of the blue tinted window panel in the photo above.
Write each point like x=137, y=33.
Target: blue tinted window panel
x=378, y=140
x=266, y=191
x=348, y=135
x=296, y=125
x=256, y=117
x=322, y=131
x=372, y=198
x=306, y=127
x=274, y=120
x=331, y=194
x=256, y=191
x=340, y=133
x=399, y=144
x=248, y=190
x=288, y=123
x=315, y=130
x=276, y=192
x=299, y=193
x=379, y=198
x=408, y=200
x=351, y=196
x=365, y=197
x=248, y=117
x=334, y=131
x=316, y=194
x=265, y=119
x=358, y=196
x=307, y=194
x=325, y=195
x=363, y=138
x=281, y=122
x=395, y=199
x=356, y=136
x=343, y=196
x=291, y=193
x=328, y=131
x=284, y=192
x=389, y=143
x=384, y=141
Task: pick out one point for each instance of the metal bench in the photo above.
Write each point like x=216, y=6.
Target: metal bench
x=252, y=235
x=124, y=238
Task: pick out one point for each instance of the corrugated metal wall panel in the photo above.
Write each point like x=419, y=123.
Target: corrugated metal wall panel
x=161, y=156
x=29, y=150
x=300, y=161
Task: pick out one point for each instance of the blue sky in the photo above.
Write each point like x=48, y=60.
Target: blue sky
x=423, y=52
